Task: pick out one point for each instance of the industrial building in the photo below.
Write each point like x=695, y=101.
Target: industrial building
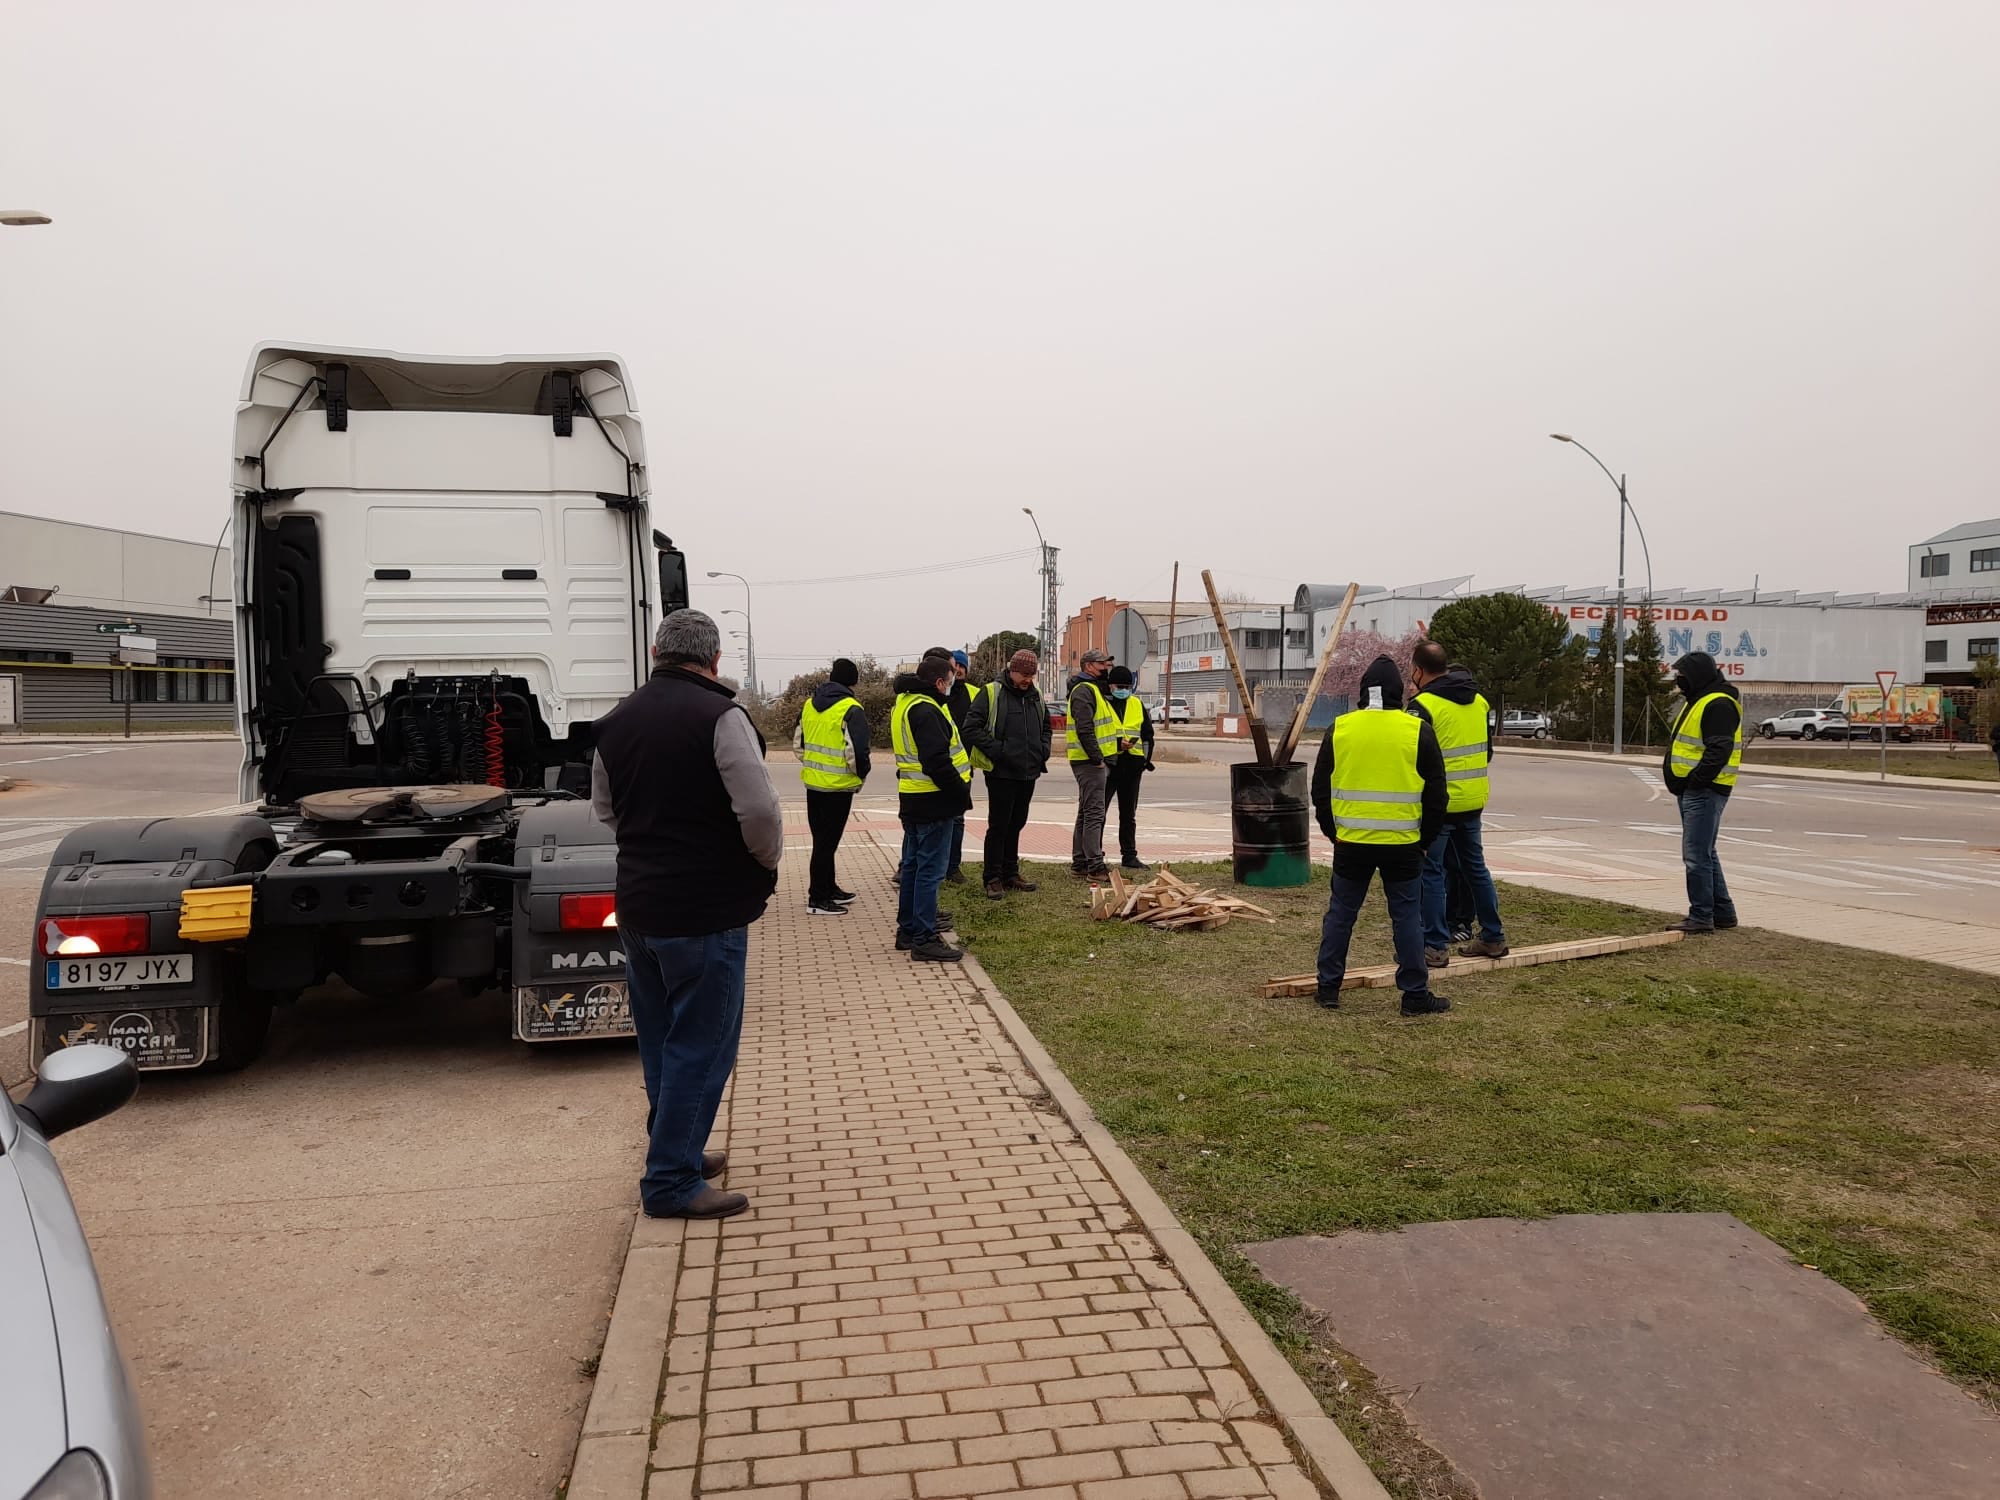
x=1957, y=575
x=97, y=624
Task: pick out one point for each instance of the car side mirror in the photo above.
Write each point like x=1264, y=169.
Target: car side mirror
x=77, y=1085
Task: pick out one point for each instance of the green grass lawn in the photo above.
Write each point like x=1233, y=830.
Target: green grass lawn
x=1846, y=1105
x=1966, y=763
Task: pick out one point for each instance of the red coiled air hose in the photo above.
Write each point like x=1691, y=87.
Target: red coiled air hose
x=496, y=746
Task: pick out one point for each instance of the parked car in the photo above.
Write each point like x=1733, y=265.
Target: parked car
x=1522, y=721
x=1172, y=711
x=1806, y=724
x=69, y=1424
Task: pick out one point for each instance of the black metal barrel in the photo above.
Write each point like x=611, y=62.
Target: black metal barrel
x=1270, y=818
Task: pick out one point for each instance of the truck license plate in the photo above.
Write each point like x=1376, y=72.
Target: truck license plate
x=120, y=973
x=564, y=1013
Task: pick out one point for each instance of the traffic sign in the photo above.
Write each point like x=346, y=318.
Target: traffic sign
x=1130, y=639
x=130, y=627
x=1885, y=681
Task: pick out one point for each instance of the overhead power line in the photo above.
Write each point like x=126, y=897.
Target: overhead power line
x=952, y=565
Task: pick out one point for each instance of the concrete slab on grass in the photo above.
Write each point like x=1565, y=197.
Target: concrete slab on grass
x=1646, y=1356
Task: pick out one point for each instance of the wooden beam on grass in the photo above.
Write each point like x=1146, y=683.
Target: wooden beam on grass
x=1381, y=976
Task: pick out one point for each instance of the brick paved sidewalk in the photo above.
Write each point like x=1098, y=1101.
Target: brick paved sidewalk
x=937, y=1291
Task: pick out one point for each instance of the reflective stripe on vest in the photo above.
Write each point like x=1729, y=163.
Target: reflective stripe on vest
x=992, y=692
x=1107, y=728
x=1461, y=734
x=1377, y=793
x=1686, y=751
x=910, y=775
x=826, y=758
x=1132, y=728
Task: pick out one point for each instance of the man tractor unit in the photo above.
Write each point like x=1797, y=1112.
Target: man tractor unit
x=445, y=574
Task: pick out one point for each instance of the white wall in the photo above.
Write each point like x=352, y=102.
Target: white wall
x=1961, y=575
x=95, y=566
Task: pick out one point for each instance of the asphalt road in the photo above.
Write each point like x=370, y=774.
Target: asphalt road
x=374, y=1263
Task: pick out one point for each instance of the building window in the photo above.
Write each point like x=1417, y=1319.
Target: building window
x=1936, y=650
x=1934, y=565
x=1988, y=646
x=8, y=653
x=1986, y=559
x=182, y=679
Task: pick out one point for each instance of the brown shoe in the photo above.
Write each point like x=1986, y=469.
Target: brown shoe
x=714, y=1163
x=707, y=1203
x=1016, y=883
x=996, y=890
x=1480, y=948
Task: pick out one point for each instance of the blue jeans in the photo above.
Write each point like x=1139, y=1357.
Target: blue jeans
x=926, y=848
x=957, y=844
x=1472, y=860
x=1406, y=922
x=1701, y=826
x=687, y=1009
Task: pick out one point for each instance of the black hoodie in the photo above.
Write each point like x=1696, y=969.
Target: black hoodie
x=855, y=723
x=1353, y=861
x=1455, y=686
x=932, y=735
x=1016, y=737
x=1695, y=675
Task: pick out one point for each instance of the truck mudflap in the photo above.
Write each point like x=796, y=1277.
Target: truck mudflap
x=161, y=1038
x=572, y=1012
x=569, y=981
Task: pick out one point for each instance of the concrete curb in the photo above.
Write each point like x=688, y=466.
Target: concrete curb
x=617, y=1438
x=1795, y=773
x=94, y=736
x=1317, y=1435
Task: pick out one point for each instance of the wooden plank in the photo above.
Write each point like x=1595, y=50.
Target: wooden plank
x=1259, y=735
x=1383, y=975
x=1289, y=745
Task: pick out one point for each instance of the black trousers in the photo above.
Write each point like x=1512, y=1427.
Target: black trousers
x=1006, y=815
x=826, y=815
x=1126, y=773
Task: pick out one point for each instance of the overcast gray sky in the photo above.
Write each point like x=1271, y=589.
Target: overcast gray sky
x=1288, y=291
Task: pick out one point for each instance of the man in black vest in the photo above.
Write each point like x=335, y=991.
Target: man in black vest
x=679, y=778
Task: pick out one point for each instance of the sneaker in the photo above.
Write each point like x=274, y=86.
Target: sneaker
x=1485, y=949
x=954, y=877
x=844, y=897
x=707, y=1203
x=936, y=951
x=944, y=919
x=1327, y=999
x=1133, y=862
x=825, y=909
x=902, y=943
x=1436, y=958
x=1691, y=927
x=1425, y=1004
x=1461, y=934
x=996, y=890
x=1016, y=883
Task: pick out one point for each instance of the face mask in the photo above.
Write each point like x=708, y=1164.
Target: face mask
x=1121, y=692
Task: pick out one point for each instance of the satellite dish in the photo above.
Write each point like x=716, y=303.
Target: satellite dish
x=1130, y=639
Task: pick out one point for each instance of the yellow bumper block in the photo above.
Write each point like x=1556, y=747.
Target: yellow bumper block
x=217, y=914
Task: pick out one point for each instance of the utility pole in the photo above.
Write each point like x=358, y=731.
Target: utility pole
x=1051, y=674
x=1173, y=625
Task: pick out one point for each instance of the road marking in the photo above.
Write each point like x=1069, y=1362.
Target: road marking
x=1911, y=838
x=1659, y=828
x=33, y=830
x=22, y=962
x=15, y=1030
x=36, y=760
x=27, y=851
x=1730, y=838
x=1826, y=880
x=1814, y=833
x=1925, y=877
x=1559, y=818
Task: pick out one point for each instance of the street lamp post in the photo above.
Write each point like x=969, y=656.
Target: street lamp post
x=1051, y=672
x=749, y=630
x=1618, y=618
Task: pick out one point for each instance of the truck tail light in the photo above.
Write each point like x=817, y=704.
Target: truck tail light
x=582, y=912
x=69, y=936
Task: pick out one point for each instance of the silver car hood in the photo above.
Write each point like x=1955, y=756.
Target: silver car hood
x=33, y=1424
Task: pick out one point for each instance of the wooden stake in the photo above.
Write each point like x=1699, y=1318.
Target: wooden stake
x=1259, y=735
x=1290, y=744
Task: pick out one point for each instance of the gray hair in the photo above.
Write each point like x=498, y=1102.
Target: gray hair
x=687, y=637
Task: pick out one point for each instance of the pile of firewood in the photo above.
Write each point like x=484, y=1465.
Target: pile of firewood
x=1168, y=901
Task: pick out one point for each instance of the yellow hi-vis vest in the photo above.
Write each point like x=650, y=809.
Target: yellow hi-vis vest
x=1132, y=728
x=826, y=758
x=992, y=692
x=1461, y=732
x=1684, y=754
x=1377, y=794
x=910, y=775
x=1106, y=721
